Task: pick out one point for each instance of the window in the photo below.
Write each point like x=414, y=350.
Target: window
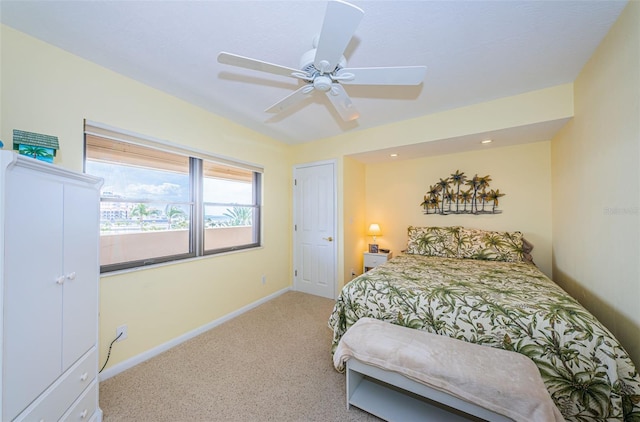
x=160, y=202
x=230, y=204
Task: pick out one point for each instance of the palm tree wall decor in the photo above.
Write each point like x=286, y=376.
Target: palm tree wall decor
x=447, y=197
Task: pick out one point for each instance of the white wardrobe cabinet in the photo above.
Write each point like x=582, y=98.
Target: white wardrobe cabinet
x=49, y=222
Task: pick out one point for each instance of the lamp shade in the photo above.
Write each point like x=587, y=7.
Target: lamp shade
x=374, y=230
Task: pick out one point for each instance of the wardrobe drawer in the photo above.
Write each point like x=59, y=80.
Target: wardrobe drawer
x=83, y=409
x=52, y=404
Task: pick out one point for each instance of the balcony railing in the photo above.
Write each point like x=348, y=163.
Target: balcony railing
x=118, y=248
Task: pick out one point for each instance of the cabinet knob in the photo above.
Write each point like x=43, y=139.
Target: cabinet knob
x=60, y=280
x=71, y=276
x=83, y=414
x=84, y=376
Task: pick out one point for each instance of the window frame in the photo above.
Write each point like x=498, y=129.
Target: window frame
x=197, y=225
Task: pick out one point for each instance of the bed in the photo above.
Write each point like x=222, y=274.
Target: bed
x=482, y=287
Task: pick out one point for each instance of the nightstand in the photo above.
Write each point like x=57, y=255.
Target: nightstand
x=372, y=260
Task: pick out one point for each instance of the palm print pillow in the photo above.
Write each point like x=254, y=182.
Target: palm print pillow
x=490, y=245
x=433, y=241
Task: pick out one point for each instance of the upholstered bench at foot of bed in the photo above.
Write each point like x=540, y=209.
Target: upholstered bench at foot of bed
x=398, y=373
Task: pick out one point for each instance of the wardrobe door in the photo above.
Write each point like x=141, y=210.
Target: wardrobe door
x=81, y=268
x=33, y=294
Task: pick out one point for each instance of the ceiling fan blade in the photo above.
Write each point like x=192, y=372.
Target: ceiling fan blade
x=291, y=99
x=404, y=75
x=340, y=22
x=253, y=64
x=342, y=103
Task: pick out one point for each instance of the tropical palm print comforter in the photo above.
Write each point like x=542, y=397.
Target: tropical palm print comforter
x=508, y=305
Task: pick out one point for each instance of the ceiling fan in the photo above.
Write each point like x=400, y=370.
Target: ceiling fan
x=323, y=68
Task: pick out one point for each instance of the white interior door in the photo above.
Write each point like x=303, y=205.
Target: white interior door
x=314, y=230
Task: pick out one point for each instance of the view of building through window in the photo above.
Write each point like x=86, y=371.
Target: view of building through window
x=159, y=206
x=135, y=199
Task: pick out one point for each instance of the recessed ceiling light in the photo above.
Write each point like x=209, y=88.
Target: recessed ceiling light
x=486, y=141
x=393, y=155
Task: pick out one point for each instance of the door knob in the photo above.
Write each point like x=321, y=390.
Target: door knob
x=330, y=239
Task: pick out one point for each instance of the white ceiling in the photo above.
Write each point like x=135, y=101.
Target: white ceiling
x=474, y=51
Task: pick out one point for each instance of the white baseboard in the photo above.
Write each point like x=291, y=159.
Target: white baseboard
x=129, y=363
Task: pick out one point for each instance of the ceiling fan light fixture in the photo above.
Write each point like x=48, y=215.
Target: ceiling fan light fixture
x=322, y=83
x=343, y=77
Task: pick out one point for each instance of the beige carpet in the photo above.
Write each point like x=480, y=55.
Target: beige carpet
x=272, y=363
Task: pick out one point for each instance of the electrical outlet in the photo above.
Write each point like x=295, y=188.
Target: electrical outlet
x=264, y=279
x=353, y=273
x=121, y=330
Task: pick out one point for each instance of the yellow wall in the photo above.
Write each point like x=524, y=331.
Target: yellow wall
x=354, y=214
x=596, y=185
x=395, y=190
x=355, y=179
x=544, y=105
x=47, y=90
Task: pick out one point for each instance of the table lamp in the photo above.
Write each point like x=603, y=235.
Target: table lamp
x=374, y=230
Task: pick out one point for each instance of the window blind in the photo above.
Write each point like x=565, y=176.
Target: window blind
x=227, y=167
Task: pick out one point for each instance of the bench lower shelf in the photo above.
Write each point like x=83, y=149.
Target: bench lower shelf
x=393, y=397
